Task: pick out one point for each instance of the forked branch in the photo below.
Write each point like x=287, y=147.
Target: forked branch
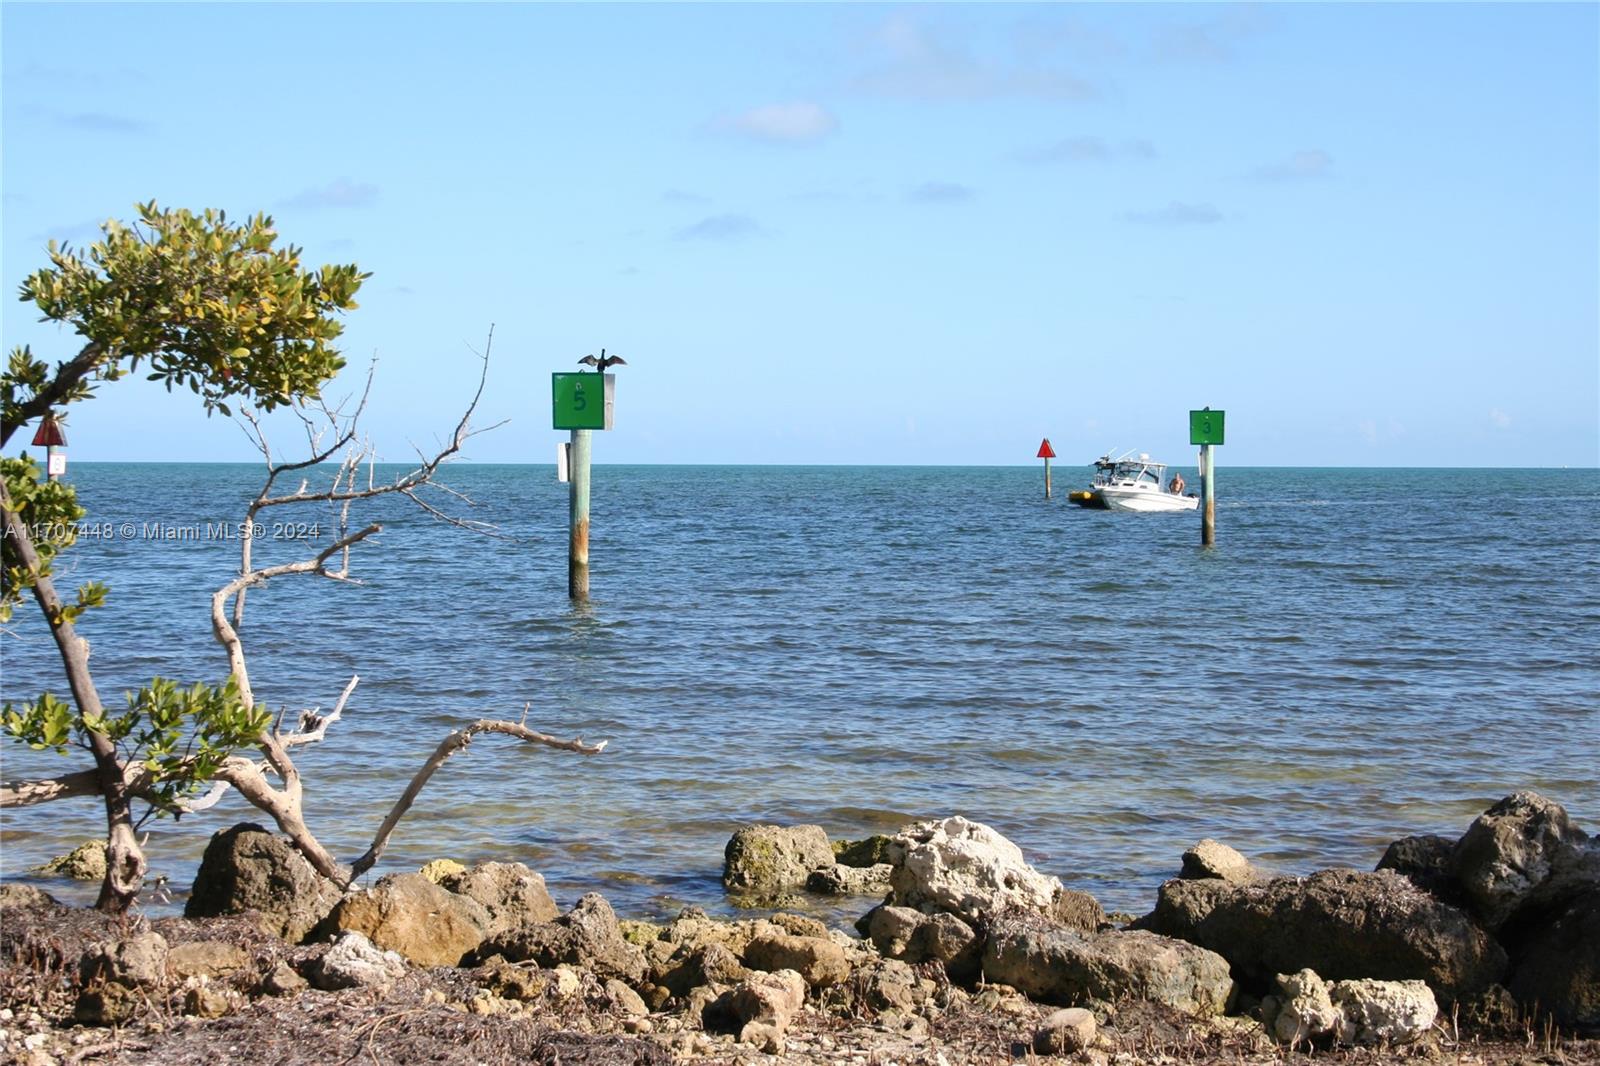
x=449, y=746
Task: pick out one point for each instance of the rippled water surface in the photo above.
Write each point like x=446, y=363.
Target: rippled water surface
x=1365, y=654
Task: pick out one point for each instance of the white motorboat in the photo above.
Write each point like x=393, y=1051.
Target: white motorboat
x=1138, y=483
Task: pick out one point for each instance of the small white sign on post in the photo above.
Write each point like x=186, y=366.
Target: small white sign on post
x=58, y=464
x=562, y=462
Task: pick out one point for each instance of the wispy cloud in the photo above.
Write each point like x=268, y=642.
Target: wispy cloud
x=682, y=196
x=729, y=227
x=1308, y=164
x=1212, y=41
x=1176, y=214
x=340, y=193
x=910, y=61
x=941, y=192
x=1088, y=150
x=799, y=122
x=1372, y=433
x=104, y=122
x=1499, y=419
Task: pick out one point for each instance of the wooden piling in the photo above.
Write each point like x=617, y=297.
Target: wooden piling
x=1208, y=497
x=578, y=533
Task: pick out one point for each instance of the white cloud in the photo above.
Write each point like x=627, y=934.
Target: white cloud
x=800, y=122
x=1308, y=164
x=1499, y=419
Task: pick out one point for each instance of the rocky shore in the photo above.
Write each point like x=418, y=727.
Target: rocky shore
x=1485, y=948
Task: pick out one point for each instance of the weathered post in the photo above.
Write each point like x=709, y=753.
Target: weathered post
x=1046, y=453
x=578, y=528
x=581, y=403
x=1206, y=429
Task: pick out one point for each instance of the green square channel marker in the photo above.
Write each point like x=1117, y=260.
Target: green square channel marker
x=1205, y=427
x=579, y=400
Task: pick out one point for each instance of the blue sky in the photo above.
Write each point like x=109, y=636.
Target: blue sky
x=875, y=234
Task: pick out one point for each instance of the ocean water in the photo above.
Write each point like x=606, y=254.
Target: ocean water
x=1363, y=655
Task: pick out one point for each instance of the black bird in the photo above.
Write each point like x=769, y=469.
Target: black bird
x=603, y=361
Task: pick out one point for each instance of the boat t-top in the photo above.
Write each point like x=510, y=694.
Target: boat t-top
x=1137, y=483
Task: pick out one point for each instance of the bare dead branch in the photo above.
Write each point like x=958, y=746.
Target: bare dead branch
x=449, y=746
x=313, y=726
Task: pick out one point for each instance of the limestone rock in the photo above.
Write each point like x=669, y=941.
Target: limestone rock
x=626, y=999
x=205, y=1000
x=588, y=935
x=770, y=858
x=690, y=967
x=281, y=980
x=764, y=1005
x=864, y=854
x=355, y=962
x=1574, y=872
x=1425, y=860
x=1078, y=910
x=247, y=868
x=890, y=928
x=512, y=894
x=842, y=880
x=86, y=862
x=206, y=958
x=798, y=925
x=889, y=984
x=1065, y=1032
x=1340, y=923
x=116, y=976
x=949, y=941
x=1058, y=965
x=1507, y=852
x=439, y=869
x=1385, y=1013
x=15, y=895
x=1305, y=1010
x=411, y=915
x=139, y=961
x=965, y=868
x=1558, y=965
x=821, y=962
x=511, y=982
x=1210, y=860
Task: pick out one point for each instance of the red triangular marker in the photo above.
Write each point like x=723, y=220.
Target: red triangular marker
x=1045, y=451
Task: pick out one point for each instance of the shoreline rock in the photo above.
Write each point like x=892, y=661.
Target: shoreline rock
x=1339, y=956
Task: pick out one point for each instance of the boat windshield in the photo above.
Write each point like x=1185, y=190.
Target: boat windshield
x=1139, y=470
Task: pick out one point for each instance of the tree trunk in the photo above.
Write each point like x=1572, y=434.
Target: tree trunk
x=125, y=863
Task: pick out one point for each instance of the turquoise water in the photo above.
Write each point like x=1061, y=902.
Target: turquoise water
x=1365, y=654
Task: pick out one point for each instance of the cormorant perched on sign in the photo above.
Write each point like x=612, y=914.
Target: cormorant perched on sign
x=603, y=361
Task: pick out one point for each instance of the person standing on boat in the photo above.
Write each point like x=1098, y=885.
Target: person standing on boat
x=1175, y=486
